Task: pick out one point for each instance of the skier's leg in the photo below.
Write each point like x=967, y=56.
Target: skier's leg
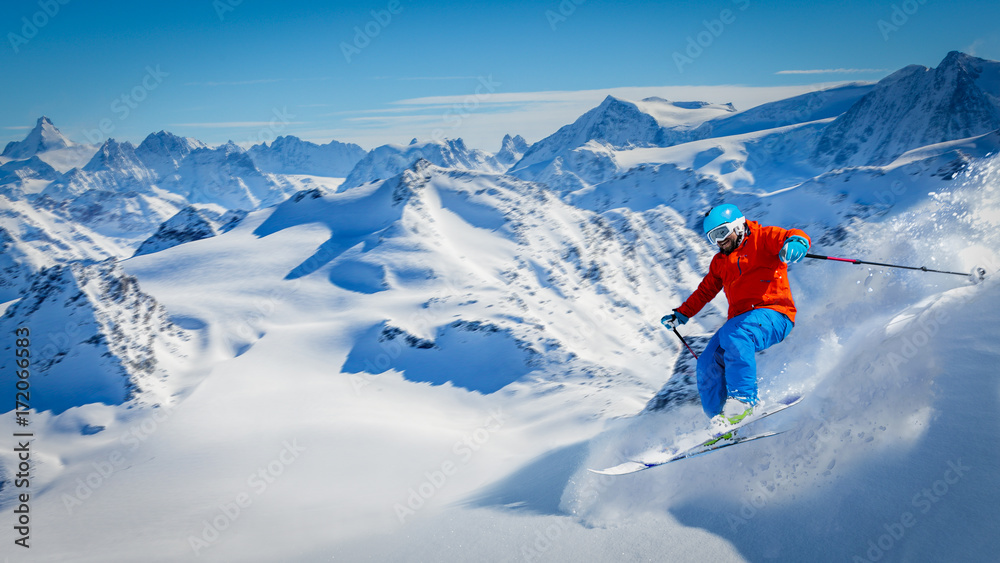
x=739, y=358
x=712, y=377
x=741, y=338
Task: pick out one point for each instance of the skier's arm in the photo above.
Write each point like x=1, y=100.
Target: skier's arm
x=707, y=290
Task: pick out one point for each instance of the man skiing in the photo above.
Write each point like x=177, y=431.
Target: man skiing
x=752, y=268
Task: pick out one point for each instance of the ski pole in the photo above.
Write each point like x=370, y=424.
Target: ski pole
x=685, y=343
x=975, y=276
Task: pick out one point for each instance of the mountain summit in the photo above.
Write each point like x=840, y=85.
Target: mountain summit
x=914, y=107
x=44, y=137
x=618, y=123
x=291, y=155
x=511, y=149
x=163, y=152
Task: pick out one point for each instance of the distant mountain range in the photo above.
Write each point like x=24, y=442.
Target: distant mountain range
x=291, y=155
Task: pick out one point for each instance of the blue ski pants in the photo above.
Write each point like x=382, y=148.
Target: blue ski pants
x=728, y=367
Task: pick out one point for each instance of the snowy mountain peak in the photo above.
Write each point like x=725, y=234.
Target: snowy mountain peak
x=114, y=168
x=227, y=176
x=44, y=137
x=624, y=124
x=231, y=148
x=163, y=152
x=511, y=149
x=915, y=107
x=291, y=155
x=959, y=59
x=113, y=154
x=616, y=122
x=389, y=160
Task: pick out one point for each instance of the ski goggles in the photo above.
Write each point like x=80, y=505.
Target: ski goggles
x=718, y=234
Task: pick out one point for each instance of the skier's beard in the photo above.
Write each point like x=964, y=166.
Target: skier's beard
x=729, y=246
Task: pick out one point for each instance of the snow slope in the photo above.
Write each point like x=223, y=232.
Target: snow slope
x=821, y=104
x=190, y=224
x=104, y=338
x=32, y=238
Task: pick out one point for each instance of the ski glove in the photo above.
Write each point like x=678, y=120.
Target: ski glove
x=673, y=320
x=795, y=249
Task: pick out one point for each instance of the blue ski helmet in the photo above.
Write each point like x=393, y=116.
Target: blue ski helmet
x=722, y=220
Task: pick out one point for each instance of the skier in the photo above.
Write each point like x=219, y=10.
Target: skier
x=752, y=267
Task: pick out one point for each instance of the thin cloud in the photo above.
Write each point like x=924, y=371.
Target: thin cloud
x=386, y=110
x=833, y=71
x=483, y=119
x=236, y=124
x=257, y=81
x=450, y=108
x=424, y=77
x=236, y=82
x=743, y=97
x=19, y=127
x=437, y=78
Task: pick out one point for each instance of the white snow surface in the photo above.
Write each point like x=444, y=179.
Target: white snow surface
x=421, y=363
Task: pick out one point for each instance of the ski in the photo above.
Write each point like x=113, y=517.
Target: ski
x=720, y=445
x=636, y=466
x=667, y=455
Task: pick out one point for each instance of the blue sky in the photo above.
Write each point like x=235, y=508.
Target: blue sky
x=385, y=71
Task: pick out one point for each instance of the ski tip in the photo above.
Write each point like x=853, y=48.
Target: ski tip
x=790, y=400
x=622, y=469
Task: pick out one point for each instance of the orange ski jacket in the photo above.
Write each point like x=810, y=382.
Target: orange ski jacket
x=752, y=276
